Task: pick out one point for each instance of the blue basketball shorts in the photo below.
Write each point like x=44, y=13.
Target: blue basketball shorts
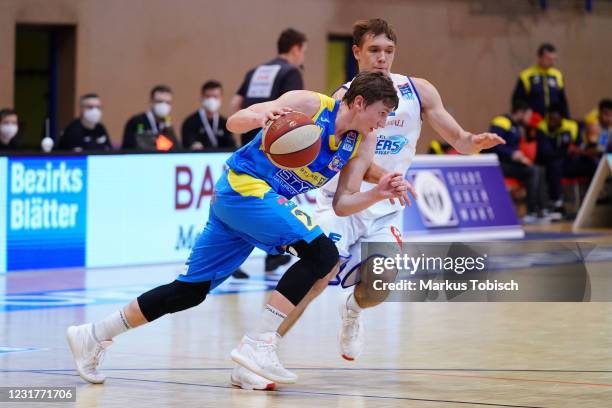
x=244, y=213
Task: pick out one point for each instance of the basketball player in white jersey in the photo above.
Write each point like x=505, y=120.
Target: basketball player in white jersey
x=374, y=49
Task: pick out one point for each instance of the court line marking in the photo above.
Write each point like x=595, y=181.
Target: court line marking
x=482, y=377
x=519, y=370
x=325, y=394
x=412, y=371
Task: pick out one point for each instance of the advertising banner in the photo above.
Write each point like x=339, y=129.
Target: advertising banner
x=460, y=198
x=114, y=210
x=46, y=217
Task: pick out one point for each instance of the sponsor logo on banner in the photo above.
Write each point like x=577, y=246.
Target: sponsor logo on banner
x=193, y=189
x=46, y=220
x=188, y=193
x=435, y=203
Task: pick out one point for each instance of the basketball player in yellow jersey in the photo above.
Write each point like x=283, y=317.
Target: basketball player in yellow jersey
x=252, y=208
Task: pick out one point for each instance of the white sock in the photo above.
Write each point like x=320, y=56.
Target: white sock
x=111, y=326
x=271, y=319
x=352, y=305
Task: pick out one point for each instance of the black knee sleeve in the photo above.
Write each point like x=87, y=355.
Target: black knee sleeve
x=317, y=259
x=172, y=298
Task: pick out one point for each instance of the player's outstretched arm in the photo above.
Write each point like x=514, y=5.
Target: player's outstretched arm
x=349, y=200
x=257, y=115
x=447, y=127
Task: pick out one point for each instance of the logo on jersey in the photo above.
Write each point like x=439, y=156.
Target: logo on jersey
x=390, y=144
x=335, y=237
x=336, y=164
x=349, y=141
x=292, y=182
x=406, y=91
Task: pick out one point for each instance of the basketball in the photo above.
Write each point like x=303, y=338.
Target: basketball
x=292, y=141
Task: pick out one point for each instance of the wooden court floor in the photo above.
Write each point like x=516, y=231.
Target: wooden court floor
x=417, y=354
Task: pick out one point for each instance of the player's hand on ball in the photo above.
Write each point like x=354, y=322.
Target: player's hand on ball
x=487, y=140
x=273, y=114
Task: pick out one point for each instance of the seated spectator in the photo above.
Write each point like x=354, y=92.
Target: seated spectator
x=560, y=151
x=86, y=132
x=205, y=128
x=152, y=130
x=513, y=161
x=599, y=127
x=9, y=128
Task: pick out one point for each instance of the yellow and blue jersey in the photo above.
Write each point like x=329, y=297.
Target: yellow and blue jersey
x=568, y=133
x=541, y=88
x=510, y=131
x=334, y=155
x=252, y=207
x=554, y=144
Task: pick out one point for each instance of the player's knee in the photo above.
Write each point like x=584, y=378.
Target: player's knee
x=317, y=259
x=172, y=298
x=321, y=252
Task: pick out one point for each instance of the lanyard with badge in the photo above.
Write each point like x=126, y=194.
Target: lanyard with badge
x=153, y=123
x=211, y=132
x=156, y=141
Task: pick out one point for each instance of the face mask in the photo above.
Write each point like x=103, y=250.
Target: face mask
x=162, y=109
x=211, y=104
x=8, y=131
x=92, y=115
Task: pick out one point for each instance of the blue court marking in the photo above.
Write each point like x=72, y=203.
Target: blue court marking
x=7, y=349
x=280, y=393
x=79, y=297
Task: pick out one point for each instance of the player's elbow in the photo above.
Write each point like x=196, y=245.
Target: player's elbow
x=340, y=209
x=232, y=124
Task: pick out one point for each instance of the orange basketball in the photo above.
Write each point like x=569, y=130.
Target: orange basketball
x=292, y=141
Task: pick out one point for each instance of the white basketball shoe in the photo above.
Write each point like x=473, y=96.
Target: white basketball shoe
x=351, y=334
x=248, y=380
x=87, y=352
x=259, y=356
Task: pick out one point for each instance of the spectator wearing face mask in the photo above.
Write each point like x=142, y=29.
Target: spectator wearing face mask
x=205, y=128
x=86, y=133
x=8, y=129
x=152, y=130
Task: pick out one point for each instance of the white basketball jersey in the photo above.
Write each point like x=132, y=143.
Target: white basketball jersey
x=396, y=143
